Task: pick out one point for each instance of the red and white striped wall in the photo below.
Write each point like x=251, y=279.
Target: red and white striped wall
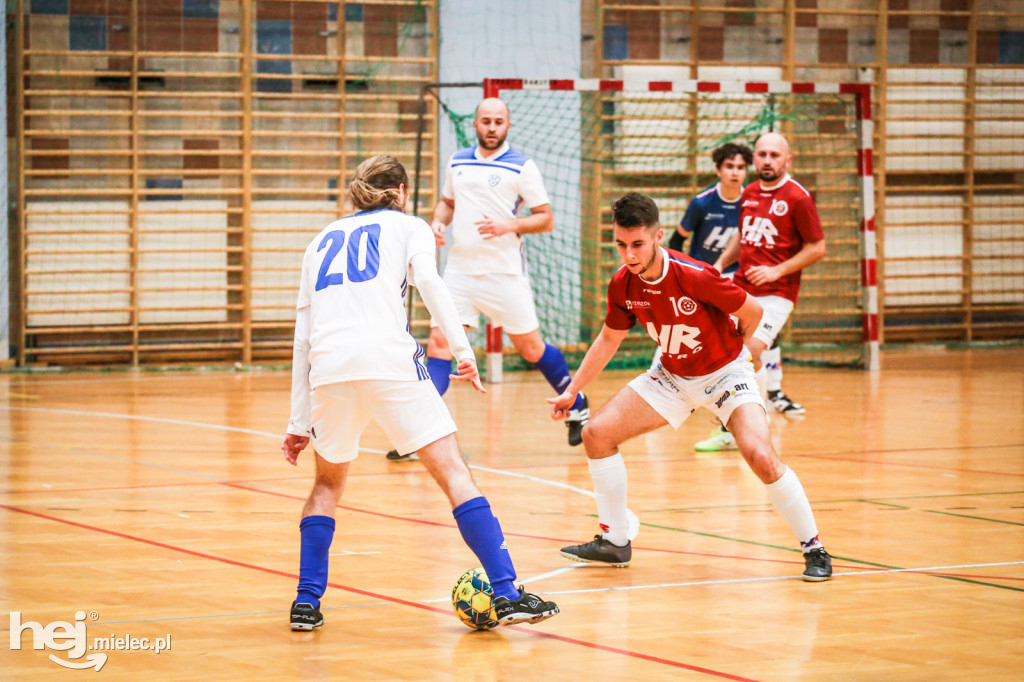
x=862, y=95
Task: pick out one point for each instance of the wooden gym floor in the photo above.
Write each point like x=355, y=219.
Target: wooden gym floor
x=160, y=506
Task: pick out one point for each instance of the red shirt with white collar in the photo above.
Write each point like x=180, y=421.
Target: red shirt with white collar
x=686, y=311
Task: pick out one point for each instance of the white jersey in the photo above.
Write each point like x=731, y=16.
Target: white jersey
x=497, y=186
x=354, y=278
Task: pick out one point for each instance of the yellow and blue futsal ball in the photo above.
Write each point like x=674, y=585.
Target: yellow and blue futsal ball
x=473, y=600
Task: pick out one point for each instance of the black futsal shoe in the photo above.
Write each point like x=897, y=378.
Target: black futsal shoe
x=601, y=551
x=305, y=617
x=818, y=565
x=526, y=608
x=576, y=420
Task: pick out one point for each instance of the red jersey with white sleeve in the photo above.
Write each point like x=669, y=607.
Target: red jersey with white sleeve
x=774, y=225
x=686, y=311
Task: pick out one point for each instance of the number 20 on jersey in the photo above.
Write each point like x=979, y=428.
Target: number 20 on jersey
x=364, y=241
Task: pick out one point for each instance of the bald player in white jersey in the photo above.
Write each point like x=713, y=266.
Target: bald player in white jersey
x=485, y=188
x=354, y=360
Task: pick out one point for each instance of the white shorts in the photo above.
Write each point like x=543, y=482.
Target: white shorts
x=676, y=398
x=411, y=413
x=505, y=299
x=776, y=312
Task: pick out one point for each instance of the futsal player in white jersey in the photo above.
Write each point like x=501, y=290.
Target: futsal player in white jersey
x=354, y=360
x=485, y=188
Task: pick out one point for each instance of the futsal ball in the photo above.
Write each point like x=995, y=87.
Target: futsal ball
x=473, y=600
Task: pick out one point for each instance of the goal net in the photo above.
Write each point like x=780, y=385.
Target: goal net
x=596, y=140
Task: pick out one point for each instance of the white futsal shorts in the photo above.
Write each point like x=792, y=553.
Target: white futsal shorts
x=505, y=299
x=411, y=413
x=776, y=312
x=675, y=398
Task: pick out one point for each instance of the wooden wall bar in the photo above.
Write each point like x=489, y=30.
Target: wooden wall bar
x=948, y=79
x=175, y=159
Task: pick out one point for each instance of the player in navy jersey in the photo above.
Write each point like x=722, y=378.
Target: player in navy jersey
x=713, y=216
x=354, y=360
x=485, y=188
x=685, y=306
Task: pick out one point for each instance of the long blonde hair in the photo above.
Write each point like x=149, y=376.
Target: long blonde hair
x=376, y=182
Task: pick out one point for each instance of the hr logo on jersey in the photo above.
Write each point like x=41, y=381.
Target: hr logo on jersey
x=758, y=229
x=637, y=304
x=719, y=238
x=672, y=336
x=779, y=207
x=493, y=180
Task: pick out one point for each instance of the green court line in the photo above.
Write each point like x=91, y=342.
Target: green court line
x=968, y=516
x=885, y=504
x=851, y=499
x=838, y=558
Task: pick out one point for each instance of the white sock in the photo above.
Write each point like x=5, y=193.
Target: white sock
x=609, y=477
x=789, y=498
x=772, y=360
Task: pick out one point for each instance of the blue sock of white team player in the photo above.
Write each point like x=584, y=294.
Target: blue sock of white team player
x=482, y=532
x=317, y=534
x=555, y=369
x=440, y=373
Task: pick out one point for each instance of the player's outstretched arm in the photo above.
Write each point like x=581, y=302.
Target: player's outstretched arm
x=296, y=436
x=439, y=302
x=596, y=359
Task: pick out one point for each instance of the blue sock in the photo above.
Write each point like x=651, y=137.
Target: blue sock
x=555, y=369
x=482, y=532
x=317, y=533
x=440, y=371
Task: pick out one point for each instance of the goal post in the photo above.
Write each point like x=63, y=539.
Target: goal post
x=597, y=139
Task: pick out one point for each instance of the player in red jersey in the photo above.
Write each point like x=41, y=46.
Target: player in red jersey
x=780, y=235
x=685, y=306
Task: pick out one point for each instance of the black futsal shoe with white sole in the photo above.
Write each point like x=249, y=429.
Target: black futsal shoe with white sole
x=526, y=608
x=818, y=565
x=785, y=405
x=600, y=551
x=305, y=617
x=576, y=420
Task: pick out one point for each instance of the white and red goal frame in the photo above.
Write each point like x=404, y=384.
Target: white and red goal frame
x=865, y=129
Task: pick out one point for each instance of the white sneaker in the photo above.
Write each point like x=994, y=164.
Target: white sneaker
x=720, y=440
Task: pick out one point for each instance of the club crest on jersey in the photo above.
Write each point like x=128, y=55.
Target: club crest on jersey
x=493, y=179
x=686, y=305
x=779, y=207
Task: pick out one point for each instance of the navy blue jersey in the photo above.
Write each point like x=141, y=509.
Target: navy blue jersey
x=711, y=222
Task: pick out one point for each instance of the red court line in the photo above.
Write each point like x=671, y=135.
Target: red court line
x=376, y=595
x=515, y=535
x=845, y=458
x=304, y=477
